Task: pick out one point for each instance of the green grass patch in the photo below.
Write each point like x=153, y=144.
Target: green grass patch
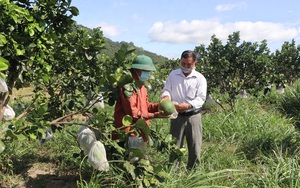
x=253, y=145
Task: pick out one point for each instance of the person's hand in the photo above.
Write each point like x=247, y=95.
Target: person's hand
x=159, y=114
x=164, y=98
x=180, y=107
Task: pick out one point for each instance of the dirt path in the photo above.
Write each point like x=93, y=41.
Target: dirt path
x=40, y=175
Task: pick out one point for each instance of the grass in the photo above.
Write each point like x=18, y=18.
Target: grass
x=22, y=94
x=250, y=146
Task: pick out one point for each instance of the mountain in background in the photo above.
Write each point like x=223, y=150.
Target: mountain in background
x=111, y=47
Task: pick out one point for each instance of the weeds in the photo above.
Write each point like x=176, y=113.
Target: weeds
x=251, y=145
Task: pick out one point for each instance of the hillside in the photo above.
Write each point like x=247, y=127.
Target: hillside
x=112, y=47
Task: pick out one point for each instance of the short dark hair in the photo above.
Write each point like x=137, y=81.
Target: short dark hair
x=189, y=53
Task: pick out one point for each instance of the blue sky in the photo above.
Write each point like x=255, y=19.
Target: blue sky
x=168, y=27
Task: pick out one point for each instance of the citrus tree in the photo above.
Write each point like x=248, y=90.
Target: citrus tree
x=41, y=46
x=286, y=63
x=28, y=33
x=235, y=66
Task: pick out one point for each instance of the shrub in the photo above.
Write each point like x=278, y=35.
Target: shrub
x=289, y=103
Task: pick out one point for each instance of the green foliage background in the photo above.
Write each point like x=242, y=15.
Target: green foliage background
x=249, y=142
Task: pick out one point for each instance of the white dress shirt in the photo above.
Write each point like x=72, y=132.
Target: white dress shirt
x=181, y=89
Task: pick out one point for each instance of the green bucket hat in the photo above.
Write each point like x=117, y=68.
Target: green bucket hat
x=143, y=62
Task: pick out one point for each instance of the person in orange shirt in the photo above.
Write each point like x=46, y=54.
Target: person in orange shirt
x=137, y=105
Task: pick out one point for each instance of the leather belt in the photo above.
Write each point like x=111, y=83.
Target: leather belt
x=189, y=113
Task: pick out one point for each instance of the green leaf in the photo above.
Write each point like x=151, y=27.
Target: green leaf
x=20, y=52
x=46, y=78
x=2, y=40
x=42, y=110
x=32, y=136
x=146, y=164
x=127, y=93
x=3, y=64
x=130, y=50
x=138, y=83
x=88, y=57
x=31, y=32
x=48, y=68
x=21, y=137
x=15, y=18
x=120, y=58
x=3, y=76
x=130, y=169
x=146, y=182
x=11, y=134
x=21, y=78
x=127, y=120
x=19, y=10
x=112, y=80
x=168, y=138
x=29, y=18
x=128, y=87
x=74, y=11
x=135, y=152
x=141, y=124
x=124, y=80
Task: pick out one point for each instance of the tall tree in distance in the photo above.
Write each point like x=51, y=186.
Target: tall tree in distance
x=287, y=63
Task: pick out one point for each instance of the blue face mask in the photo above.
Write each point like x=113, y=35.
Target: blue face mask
x=144, y=76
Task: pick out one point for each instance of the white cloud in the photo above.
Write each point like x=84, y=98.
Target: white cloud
x=265, y=30
x=109, y=30
x=200, y=31
x=229, y=7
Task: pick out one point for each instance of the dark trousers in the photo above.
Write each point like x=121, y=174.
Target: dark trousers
x=189, y=127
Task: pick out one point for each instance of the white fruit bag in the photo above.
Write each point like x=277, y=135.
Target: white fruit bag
x=97, y=157
x=9, y=113
x=86, y=138
x=135, y=142
x=98, y=102
x=175, y=113
x=3, y=86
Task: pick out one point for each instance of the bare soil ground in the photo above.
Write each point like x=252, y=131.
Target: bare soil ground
x=32, y=173
x=39, y=175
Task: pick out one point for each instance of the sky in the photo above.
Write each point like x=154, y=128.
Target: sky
x=168, y=27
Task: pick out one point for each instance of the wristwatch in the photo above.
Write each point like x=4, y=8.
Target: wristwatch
x=190, y=106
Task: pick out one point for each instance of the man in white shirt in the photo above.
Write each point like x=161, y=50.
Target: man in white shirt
x=187, y=89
